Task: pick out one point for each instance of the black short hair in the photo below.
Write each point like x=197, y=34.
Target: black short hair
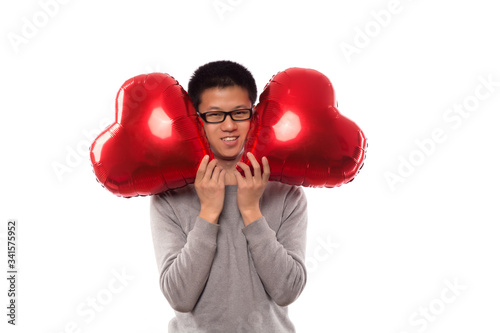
x=221, y=74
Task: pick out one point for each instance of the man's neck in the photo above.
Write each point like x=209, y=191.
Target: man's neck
x=229, y=165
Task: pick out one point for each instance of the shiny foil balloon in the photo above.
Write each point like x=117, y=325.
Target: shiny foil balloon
x=298, y=128
x=156, y=142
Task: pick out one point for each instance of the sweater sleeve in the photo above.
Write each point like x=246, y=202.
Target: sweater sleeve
x=184, y=260
x=279, y=257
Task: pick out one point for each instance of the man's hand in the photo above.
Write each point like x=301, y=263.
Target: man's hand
x=250, y=188
x=209, y=185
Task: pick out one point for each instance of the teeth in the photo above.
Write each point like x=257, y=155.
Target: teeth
x=232, y=138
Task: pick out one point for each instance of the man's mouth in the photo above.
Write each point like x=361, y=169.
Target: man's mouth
x=229, y=138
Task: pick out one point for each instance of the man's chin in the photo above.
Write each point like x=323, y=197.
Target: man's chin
x=228, y=156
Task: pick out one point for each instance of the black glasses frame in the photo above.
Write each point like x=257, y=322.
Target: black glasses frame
x=230, y=113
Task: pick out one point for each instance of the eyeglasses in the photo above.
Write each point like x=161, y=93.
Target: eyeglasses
x=213, y=117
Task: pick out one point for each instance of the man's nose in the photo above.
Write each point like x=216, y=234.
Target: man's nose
x=228, y=124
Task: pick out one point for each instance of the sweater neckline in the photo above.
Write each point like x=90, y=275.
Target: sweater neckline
x=231, y=188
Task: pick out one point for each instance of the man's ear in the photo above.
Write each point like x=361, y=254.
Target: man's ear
x=202, y=127
x=255, y=114
x=254, y=120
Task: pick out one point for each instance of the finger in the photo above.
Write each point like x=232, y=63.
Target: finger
x=267, y=169
x=216, y=173
x=210, y=169
x=222, y=177
x=239, y=178
x=201, y=168
x=246, y=170
x=256, y=167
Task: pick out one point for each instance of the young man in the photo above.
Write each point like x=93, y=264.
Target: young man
x=230, y=249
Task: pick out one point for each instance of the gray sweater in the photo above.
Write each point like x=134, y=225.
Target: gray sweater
x=226, y=277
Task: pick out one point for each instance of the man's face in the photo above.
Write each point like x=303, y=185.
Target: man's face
x=221, y=135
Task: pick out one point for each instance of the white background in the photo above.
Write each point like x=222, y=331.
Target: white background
x=379, y=256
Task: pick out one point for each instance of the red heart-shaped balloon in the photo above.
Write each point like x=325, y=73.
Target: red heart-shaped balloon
x=156, y=142
x=298, y=128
